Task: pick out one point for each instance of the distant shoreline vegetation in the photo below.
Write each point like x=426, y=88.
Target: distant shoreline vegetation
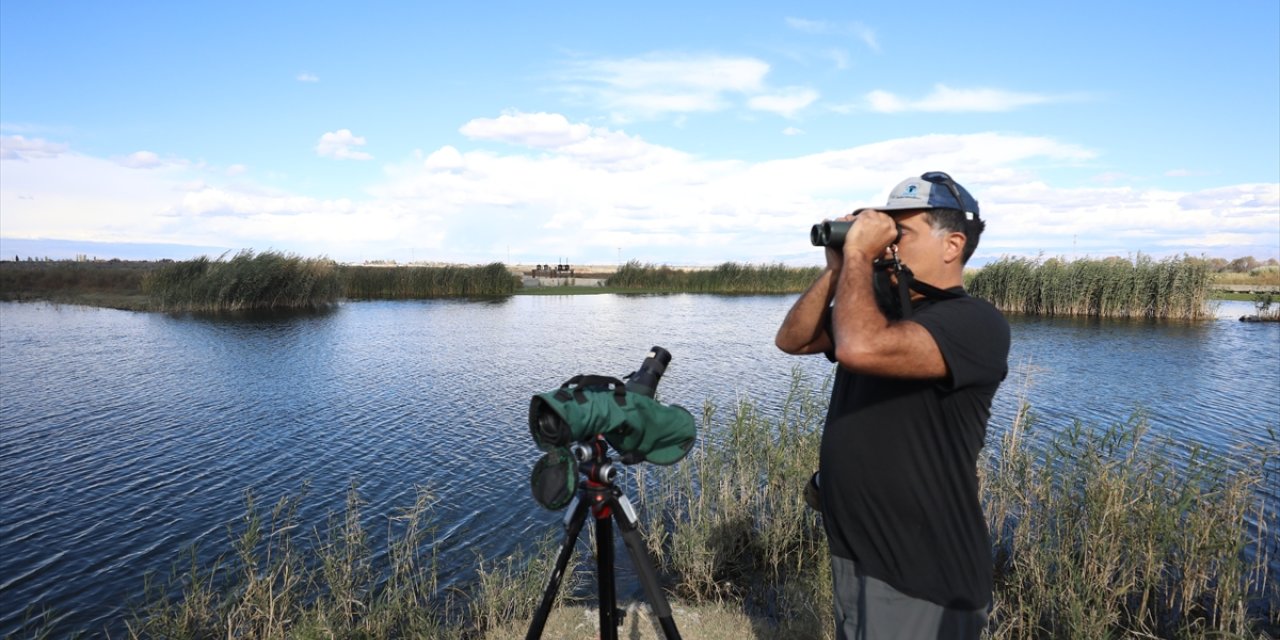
x=729, y=277
x=1141, y=287
x=1174, y=288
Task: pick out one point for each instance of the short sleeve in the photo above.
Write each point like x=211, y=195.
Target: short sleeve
x=972, y=336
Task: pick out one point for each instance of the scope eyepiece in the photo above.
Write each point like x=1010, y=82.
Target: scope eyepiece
x=645, y=379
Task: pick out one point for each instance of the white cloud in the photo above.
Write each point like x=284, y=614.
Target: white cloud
x=341, y=144
x=572, y=190
x=542, y=130
x=308, y=77
x=664, y=83
x=236, y=169
x=862, y=32
x=142, y=160
x=20, y=148
x=552, y=131
x=945, y=98
x=792, y=131
x=785, y=103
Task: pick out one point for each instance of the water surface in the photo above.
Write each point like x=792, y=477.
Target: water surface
x=127, y=437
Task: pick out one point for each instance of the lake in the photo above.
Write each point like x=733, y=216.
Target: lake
x=125, y=437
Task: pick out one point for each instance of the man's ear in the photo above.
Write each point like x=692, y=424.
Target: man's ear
x=953, y=247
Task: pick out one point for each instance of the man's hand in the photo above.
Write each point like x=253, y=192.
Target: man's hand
x=873, y=232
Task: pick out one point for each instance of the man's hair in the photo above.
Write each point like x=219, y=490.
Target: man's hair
x=952, y=220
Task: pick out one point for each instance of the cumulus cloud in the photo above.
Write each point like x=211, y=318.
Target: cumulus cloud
x=785, y=103
x=308, y=77
x=20, y=148
x=945, y=98
x=341, y=144
x=792, y=131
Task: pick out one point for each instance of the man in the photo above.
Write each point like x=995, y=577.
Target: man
x=897, y=481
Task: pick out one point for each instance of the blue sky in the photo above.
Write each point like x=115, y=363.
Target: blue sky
x=663, y=132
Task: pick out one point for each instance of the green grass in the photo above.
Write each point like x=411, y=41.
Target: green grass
x=1174, y=288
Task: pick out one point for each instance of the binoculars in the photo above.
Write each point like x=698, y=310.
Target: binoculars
x=831, y=233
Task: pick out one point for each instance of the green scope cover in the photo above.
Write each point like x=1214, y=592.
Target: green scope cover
x=632, y=423
x=554, y=478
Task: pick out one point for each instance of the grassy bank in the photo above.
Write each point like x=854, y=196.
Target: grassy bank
x=246, y=281
x=111, y=283
x=1174, y=288
x=1114, y=287
x=729, y=277
x=414, y=283
x=1099, y=531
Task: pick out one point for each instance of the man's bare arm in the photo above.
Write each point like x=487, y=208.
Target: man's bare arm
x=802, y=331
x=866, y=341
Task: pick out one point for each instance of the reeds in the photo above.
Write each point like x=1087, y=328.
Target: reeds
x=729, y=523
x=1098, y=532
x=729, y=277
x=403, y=283
x=1174, y=288
x=1111, y=532
x=280, y=582
x=248, y=281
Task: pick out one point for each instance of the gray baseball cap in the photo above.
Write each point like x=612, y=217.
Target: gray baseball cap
x=932, y=190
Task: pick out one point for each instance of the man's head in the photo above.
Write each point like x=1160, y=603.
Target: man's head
x=946, y=205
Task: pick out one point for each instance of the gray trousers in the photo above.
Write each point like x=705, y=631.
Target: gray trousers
x=870, y=609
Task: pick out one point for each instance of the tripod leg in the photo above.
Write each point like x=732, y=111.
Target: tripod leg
x=572, y=529
x=604, y=578
x=643, y=562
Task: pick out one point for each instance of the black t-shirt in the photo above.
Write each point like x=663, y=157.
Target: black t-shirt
x=899, y=462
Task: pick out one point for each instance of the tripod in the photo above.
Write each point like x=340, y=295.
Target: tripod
x=605, y=501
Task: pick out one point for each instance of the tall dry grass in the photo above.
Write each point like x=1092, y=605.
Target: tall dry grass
x=729, y=523
x=1174, y=288
x=1113, y=532
x=282, y=580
